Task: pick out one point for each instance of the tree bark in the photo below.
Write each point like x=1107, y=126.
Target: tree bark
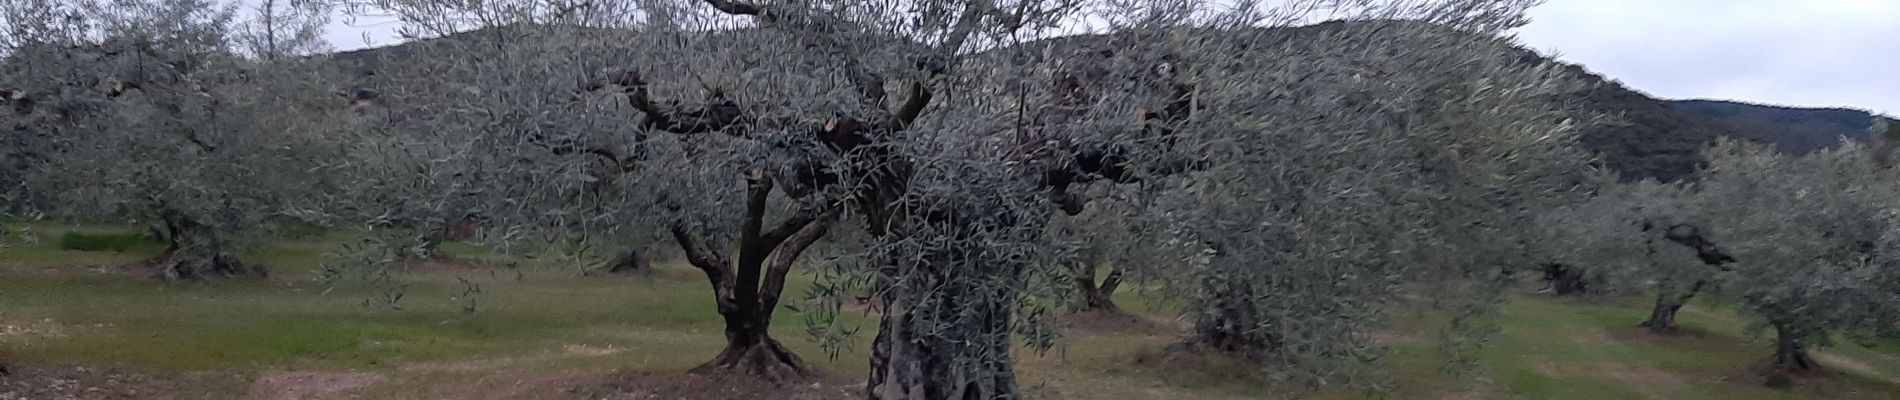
x=1790, y=355
x=909, y=365
x=1565, y=280
x=1662, y=317
x=751, y=350
x=1232, y=330
x=194, y=252
x=626, y=263
x=905, y=364
x=1097, y=297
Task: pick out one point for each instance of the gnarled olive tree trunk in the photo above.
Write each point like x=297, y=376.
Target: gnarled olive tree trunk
x=910, y=364
x=747, y=291
x=1662, y=317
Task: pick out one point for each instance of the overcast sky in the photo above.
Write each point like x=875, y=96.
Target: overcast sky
x=1816, y=53
x=1836, y=53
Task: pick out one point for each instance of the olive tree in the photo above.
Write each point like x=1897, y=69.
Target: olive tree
x=1813, y=241
x=1676, y=250
x=1886, y=135
x=1630, y=236
x=36, y=110
x=533, y=121
x=1115, y=240
x=152, y=116
x=802, y=104
x=1594, y=246
x=1363, y=161
x=952, y=135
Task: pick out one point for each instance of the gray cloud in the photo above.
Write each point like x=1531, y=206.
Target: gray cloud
x=1834, y=53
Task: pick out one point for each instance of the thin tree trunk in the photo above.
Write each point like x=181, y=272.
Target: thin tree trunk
x=1790, y=355
x=1096, y=297
x=1662, y=317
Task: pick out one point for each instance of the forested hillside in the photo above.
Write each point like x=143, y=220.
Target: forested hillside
x=1790, y=129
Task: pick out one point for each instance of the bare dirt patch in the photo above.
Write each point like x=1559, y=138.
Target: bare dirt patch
x=1643, y=375
x=1589, y=336
x=484, y=364
x=1640, y=375
x=310, y=385
x=687, y=386
x=1850, y=364
x=1184, y=359
x=588, y=351
x=1111, y=322
x=14, y=330
x=862, y=305
x=501, y=363
x=1822, y=382
x=440, y=263
x=1391, y=337
x=74, y=383
x=1650, y=380
x=1685, y=336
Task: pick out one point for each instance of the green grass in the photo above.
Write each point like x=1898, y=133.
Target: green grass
x=114, y=242
x=530, y=320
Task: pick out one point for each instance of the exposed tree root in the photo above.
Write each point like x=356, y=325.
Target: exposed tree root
x=201, y=263
x=628, y=262
x=761, y=357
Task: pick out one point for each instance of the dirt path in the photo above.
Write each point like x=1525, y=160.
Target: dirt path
x=310, y=385
x=41, y=382
x=1853, y=365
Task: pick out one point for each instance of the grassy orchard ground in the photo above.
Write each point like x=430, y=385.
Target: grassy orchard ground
x=73, y=318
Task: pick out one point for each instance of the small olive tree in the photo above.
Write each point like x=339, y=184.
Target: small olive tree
x=1119, y=238
x=1813, y=238
x=1630, y=235
x=1677, y=251
x=1595, y=246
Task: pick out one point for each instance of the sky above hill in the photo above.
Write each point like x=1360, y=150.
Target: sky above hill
x=1812, y=53
x=1832, y=53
